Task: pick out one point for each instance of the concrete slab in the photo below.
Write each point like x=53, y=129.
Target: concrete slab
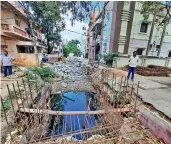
x=159, y=98
x=162, y=80
x=149, y=84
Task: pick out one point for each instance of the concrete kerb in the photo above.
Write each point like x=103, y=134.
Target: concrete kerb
x=158, y=126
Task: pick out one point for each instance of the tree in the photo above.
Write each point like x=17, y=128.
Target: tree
x=156, y=8
x=46, y=15
x=71, y=47
x=79, y=9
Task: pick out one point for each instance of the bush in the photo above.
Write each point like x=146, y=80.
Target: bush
x=44, y=72
x=7, y=103
x=108, y=58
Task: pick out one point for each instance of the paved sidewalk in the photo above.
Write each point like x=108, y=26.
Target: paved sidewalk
x=155, y=93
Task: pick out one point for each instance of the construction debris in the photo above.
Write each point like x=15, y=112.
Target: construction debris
x=112, y=121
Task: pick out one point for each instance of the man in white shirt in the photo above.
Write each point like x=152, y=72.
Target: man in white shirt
x=132, y=65
x=7, y=64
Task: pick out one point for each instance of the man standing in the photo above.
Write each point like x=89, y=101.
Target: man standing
x=7, y=64
x=132, y=65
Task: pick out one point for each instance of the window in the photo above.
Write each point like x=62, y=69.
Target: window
x=144, y=27
x=25, y=49
x=17, y=20
x=140, y=51
x=4, y=46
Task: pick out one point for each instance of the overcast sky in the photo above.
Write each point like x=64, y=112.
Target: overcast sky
x=77, y=27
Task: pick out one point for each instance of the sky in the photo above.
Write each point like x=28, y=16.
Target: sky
x=77, y=27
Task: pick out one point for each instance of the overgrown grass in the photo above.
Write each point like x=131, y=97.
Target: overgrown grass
x=45, y=73
x=7, y=102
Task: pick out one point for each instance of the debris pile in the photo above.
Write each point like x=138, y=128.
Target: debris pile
x=151, y=70
x=72, y=69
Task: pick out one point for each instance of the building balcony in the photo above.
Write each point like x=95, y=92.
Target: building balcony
x=12, y=30
x=17, y=6
x=30, y=43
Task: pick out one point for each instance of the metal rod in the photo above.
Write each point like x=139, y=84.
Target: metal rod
x=25, y=91
x=36, y=84
x=9, y=127
x=11, y=100
x=22, y=99
x=20, y=96
x=121, y=83
x=15, y=94
x=30, y=90
x=136, y=97
x=113, y=80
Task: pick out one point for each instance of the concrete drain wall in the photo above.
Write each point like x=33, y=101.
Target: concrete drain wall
x=158, y=126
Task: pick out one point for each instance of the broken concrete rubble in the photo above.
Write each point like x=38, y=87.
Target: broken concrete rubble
x=70, y=69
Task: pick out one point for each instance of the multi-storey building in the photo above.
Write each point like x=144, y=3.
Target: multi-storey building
x=124, y=30
x=15, y=34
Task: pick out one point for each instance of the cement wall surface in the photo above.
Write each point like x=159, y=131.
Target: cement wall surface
x=124, y=60
x=26, y=59
x=158, y=126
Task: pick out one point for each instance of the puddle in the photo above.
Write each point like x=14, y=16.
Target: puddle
x=73, y=101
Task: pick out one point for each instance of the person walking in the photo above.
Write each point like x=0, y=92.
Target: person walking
x=132, y=65
x=7, y=64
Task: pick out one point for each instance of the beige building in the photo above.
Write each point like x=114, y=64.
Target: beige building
x=124, y=30
x=15, y=37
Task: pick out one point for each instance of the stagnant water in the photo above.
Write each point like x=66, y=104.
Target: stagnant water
x=73, y=101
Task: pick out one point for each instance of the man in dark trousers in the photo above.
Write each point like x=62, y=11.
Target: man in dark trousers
x=7, y=64
x=132, y=65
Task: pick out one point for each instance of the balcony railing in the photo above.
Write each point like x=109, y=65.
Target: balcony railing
x=13, y=29
x=19, y=31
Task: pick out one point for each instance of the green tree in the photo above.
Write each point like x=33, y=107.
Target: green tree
x=79, y=9
x=157, y=8
x=46, y=15
x=71, y=47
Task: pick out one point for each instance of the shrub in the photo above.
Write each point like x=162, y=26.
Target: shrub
x=108, y=58
x=6, y=102
x=44, y=72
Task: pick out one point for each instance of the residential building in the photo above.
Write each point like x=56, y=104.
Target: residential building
x=16, y=37
x=94, y=36
x=124, y=30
